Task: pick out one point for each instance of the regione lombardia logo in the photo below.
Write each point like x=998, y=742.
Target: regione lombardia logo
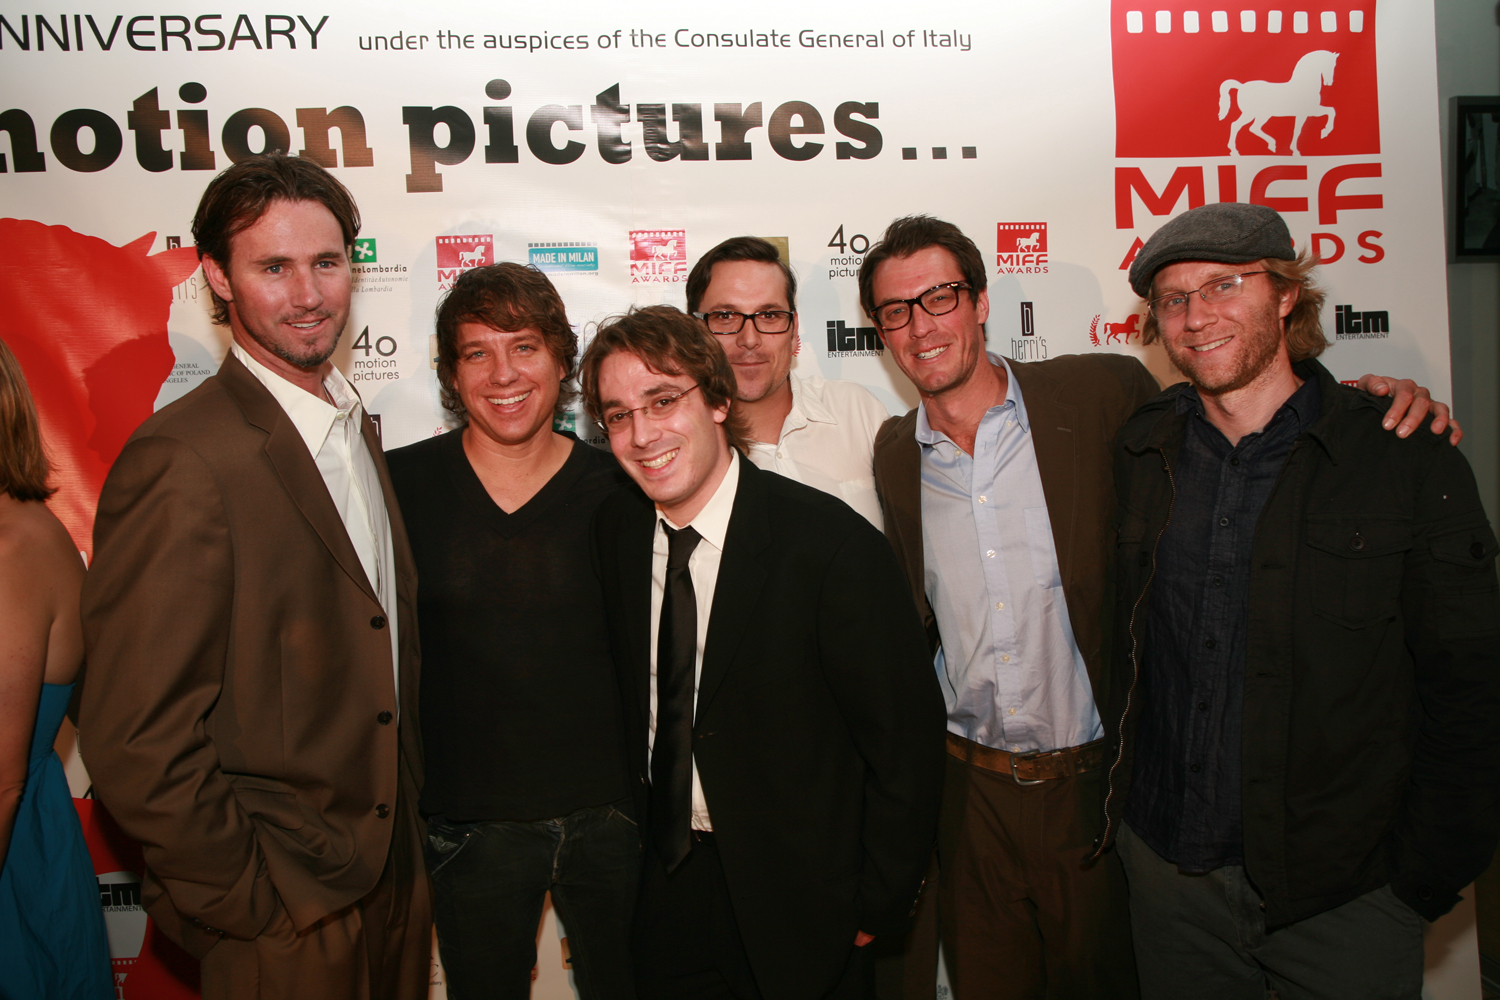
x=1258, y=80
x=456, y=254
x=658, y=256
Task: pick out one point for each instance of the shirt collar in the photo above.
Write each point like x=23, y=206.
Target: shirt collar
x=807, y=399
x=313, y=417
x=712, y=522
x=925, y=433
x=1304, y=405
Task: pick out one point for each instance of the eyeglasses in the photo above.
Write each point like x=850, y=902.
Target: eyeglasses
x=727, y=322
x=658, y=409
x=939, y=300
x=1221, y=289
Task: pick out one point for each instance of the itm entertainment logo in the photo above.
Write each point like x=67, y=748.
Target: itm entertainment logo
x=1021, y=248
x=456, y=254
x=1372, y=324
x=563, y=258
x=658, y=256
x=1247, y=102
x=846, y=341
x=1028, y=347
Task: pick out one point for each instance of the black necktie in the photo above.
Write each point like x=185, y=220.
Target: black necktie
x=672, y=753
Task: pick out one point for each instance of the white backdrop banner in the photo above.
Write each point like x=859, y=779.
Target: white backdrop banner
x=611, y=145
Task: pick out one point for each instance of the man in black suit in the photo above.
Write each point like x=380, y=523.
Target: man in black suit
x=782, y=716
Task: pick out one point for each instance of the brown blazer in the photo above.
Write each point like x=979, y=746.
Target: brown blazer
x=1077, y=405
x=238, y=716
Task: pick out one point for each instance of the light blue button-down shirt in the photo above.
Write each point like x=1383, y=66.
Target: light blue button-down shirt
x=1010, y=669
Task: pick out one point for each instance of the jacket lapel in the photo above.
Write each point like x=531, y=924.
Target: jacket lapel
x=295, y=466
x=742, y=573
x=1053, y=440
x=634, y=588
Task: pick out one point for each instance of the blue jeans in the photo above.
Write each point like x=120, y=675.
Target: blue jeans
x=489, y=879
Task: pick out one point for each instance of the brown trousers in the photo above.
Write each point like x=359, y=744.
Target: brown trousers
x=378, y=948
x=1021, y=918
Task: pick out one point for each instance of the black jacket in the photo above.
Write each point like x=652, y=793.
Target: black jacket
x=819, y=728
x=1371, y=747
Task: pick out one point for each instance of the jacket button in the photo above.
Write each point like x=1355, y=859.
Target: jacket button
x=382, y=810
x=1145, y=560
x=378, y=621
x=384, y=718
x=1357, y=543
x=1424, y=893
x=1476, y=550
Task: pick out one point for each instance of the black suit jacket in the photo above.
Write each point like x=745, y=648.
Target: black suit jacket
x=819, y=727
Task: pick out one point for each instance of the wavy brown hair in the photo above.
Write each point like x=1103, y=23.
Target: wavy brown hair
x=669, y=341
x=1303, y=325
x=504, y=296
x=23, y=461
x=237, y=198
x=913, y=234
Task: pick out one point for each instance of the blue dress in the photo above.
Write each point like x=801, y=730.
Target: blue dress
x=52, y=941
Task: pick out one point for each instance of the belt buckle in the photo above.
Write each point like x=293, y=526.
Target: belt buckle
x=1027, y=756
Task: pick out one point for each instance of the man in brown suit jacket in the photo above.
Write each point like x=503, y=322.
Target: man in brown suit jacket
x=1011, y=464
x=250, y=712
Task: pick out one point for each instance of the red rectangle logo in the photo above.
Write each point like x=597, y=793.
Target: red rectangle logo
x=1257, y=80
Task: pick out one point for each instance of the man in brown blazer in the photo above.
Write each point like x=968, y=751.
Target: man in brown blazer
x=250, y=712
x=998, y=497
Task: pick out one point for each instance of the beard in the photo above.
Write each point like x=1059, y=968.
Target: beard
x=1260, y=344
x=308, y=356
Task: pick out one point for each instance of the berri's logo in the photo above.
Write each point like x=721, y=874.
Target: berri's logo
x=1257, y=81
x=1021, y=248
x=457, y=254
x=658, y=256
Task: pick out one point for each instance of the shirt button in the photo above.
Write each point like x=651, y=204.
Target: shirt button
x=1194, y=768
x=1005, y=658
x=999, y=605
x=983, y=499
x=384, y=718
x=1218, y=581
x=1234, y=461
x=781, y=454
x=1012, y=711
x=1009, y=423
x=377, y=622
x=382, y=810
x=1223, y=522
x=1203, y=706
x=991, y=553
x=1210, y=644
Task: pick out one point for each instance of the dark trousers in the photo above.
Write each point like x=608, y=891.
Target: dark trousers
x=1204, y=935
x=687, y=941
x=1021, y=918
x=379, y=948
x=489, y=880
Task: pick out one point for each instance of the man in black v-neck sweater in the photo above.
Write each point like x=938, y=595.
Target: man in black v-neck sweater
x=525, y=777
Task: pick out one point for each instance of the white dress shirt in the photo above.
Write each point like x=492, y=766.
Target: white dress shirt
x=711, y=523
x=828, y=442
x=332, y=435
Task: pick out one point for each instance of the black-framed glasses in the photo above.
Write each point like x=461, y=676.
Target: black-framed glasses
x=1221, y=289
x=939, y=300
x=727, y=322
x=658, y=409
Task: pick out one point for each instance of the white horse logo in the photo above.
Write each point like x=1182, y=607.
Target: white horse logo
x=1022, y=246
x=471, y=258
x=1299, y=98
x=664, y=251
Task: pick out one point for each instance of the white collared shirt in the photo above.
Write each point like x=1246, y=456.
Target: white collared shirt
x=828, y=442
x=712, y=523
x=333, y=438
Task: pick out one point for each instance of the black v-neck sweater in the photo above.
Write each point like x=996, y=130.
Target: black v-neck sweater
x=520, y=707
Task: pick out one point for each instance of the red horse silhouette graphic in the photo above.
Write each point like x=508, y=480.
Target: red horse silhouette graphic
x=88, y=322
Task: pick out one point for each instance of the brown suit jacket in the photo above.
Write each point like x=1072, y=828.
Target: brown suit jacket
x=238, y=716
x=1077, y=405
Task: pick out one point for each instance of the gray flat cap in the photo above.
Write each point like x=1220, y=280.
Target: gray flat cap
x=1229, y=232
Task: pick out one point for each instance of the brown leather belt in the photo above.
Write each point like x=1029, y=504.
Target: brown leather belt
x=1029, y=768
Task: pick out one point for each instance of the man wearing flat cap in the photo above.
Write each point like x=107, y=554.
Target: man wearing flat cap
x=1307, y=646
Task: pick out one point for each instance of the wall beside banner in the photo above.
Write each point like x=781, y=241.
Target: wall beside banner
x=610, y=147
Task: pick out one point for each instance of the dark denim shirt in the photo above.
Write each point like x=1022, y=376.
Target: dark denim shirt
x=1185, y=792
